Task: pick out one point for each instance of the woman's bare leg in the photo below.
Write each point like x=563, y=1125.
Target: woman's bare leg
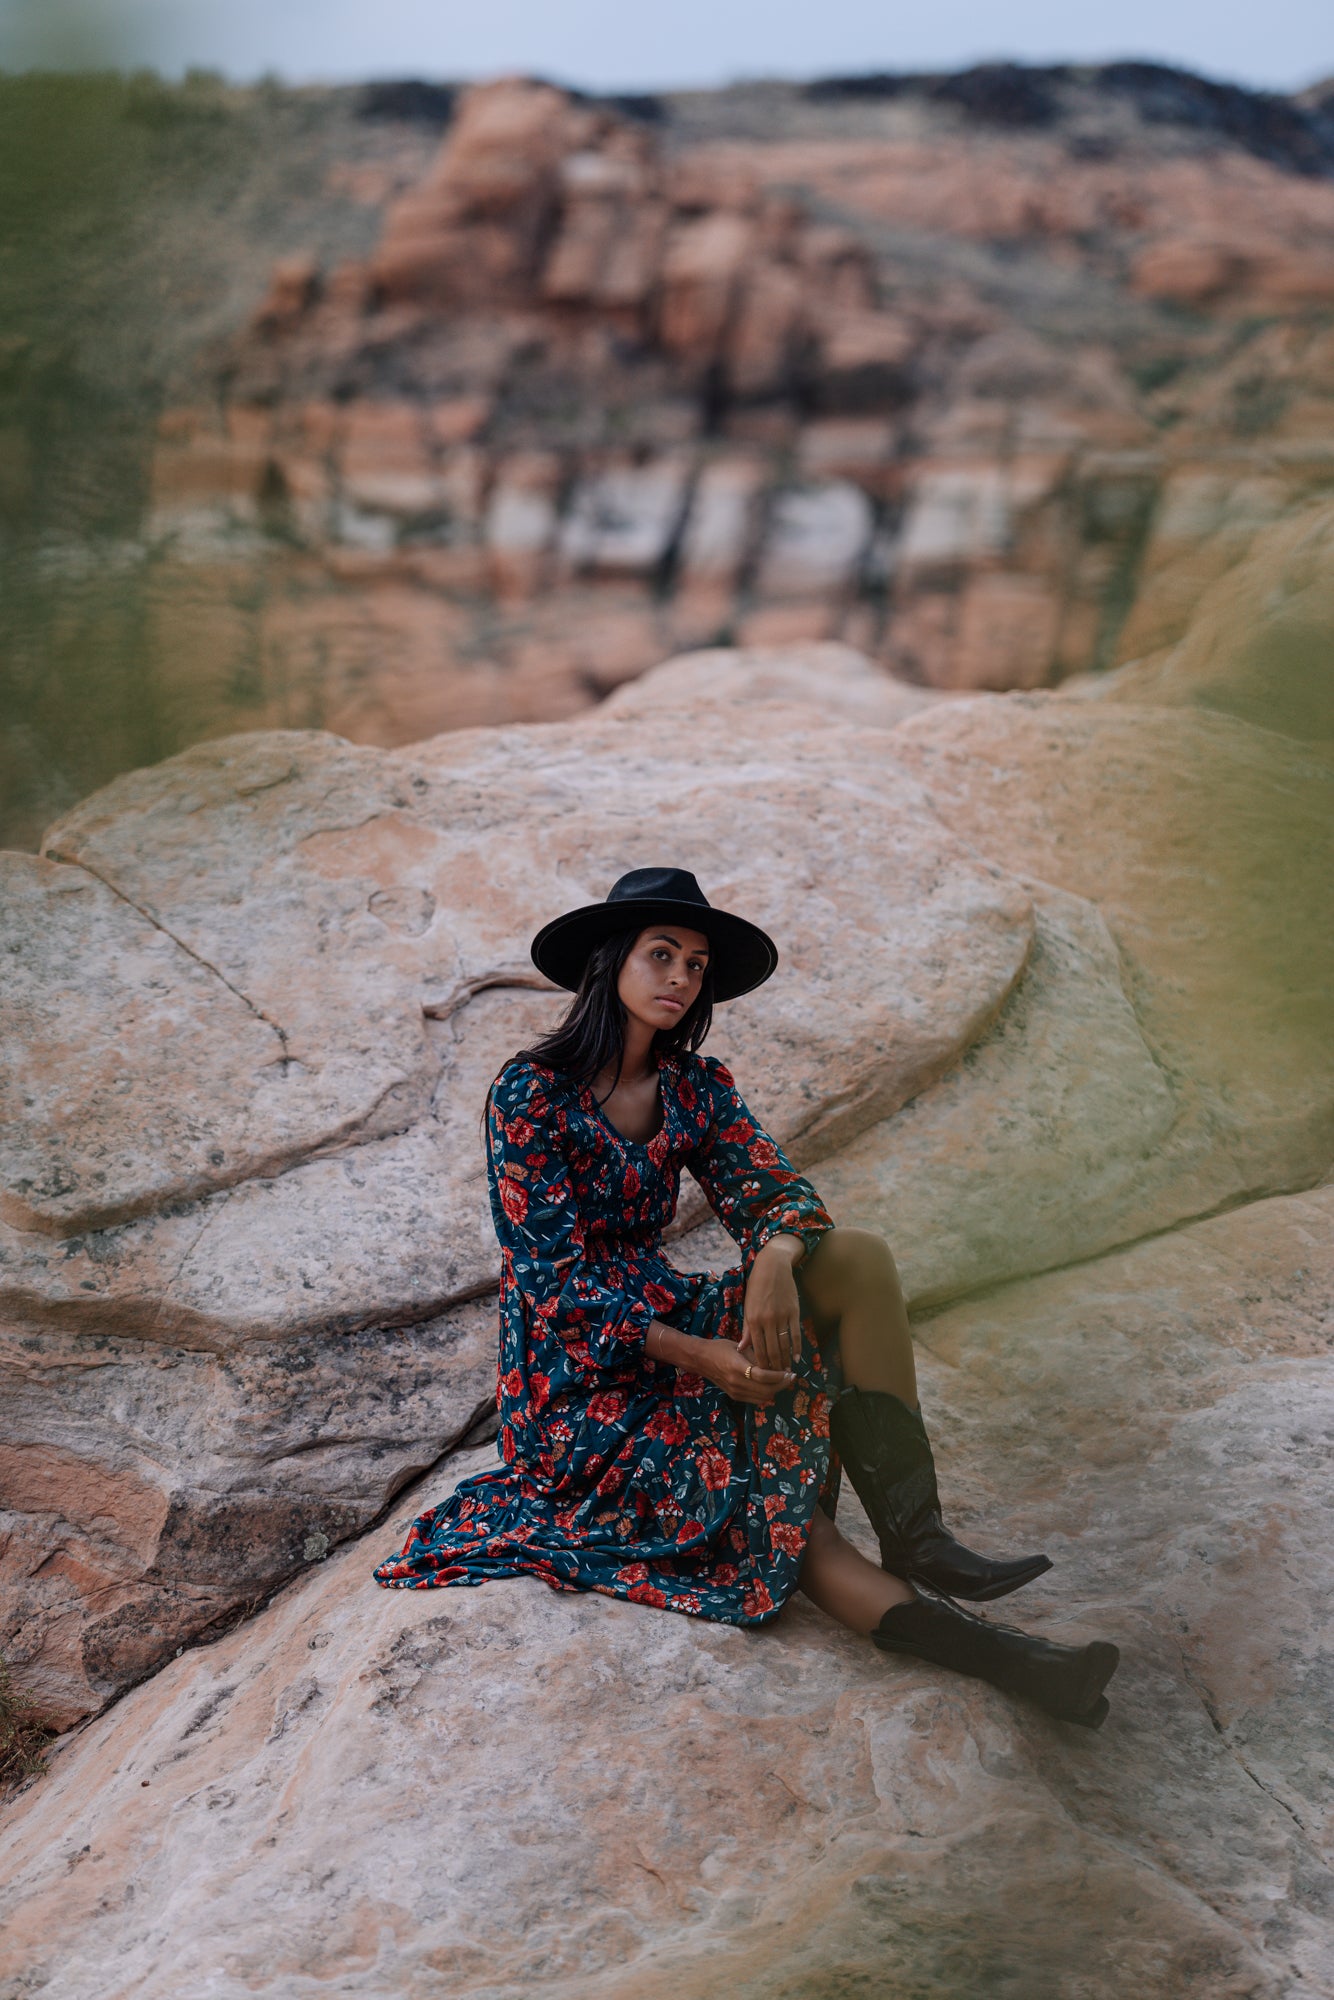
x=843, y=1582
x=851, y=1276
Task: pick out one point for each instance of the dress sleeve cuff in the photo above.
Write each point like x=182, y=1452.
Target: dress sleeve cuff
x=808, y=1228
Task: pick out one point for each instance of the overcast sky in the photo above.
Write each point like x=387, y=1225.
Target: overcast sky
x=635, y=44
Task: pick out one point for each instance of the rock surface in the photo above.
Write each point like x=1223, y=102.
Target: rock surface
x=1053, y=979
x=472, y=1792
x=1258, y=644
x=150, y=1492
x=1181, y=827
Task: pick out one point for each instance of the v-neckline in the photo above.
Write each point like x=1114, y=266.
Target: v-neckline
x=637, y=1145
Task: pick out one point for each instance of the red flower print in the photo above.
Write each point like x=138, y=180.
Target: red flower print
x=820, y=1414
x=787, y=1537
x=512, y=1384
x=668, y=1424
x=514, y=1200
x=689, y=1529
x=612, y=1480
x=739, y=1134
x=714, y=1469
x=757, y=1600
x=539, y=1389
x=763, y=1152
x=507, y=1449
x=774, y=1503
x=659, y=1297
x=607, y=1407
x=520, y=1131
x=633, y=1573
x=647, y=1593
x=783, y=1451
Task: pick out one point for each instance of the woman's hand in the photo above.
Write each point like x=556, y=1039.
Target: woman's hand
x=723, y=1362
x=741, y=1377
x=771, y=1316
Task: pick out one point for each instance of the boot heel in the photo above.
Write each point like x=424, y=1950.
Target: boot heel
x=1102, y=1659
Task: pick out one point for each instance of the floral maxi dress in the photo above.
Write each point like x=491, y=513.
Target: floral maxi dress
x=621, y=1474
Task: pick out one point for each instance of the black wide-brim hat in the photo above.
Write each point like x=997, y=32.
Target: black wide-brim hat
x=741, y=955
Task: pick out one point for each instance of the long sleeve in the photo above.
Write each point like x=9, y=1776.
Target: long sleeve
x=749, y=1182
x=576, y=1301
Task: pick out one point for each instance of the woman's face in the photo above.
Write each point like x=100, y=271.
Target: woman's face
x=660, y=980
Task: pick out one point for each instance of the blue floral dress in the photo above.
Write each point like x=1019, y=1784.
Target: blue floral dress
x=622, y=1474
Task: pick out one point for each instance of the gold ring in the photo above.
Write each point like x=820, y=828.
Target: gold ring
x=750, y=1369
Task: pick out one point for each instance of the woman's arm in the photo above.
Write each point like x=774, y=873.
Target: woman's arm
x=720, y=1361
x=773, y=1212
x=748, y=1180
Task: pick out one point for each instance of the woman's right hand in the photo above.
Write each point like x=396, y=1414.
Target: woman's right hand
x=740, y=1376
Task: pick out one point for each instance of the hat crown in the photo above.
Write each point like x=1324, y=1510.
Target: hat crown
x=674, y=885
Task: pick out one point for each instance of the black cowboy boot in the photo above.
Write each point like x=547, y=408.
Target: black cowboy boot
x=885, y=1448
x=1067, y=1681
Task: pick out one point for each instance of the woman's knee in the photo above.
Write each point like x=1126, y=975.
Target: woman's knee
x=847, y=1252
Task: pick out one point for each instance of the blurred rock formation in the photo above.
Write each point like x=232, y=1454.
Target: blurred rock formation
x=990, y=376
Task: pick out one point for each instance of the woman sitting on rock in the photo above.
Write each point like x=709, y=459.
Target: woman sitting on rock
x=667, y=1437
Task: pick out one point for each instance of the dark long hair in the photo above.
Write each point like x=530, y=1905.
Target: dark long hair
x=591, y=1032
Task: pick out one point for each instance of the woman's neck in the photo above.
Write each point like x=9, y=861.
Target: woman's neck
x=637, y=1058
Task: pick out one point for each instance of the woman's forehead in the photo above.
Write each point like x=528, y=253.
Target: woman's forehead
x=677, y=934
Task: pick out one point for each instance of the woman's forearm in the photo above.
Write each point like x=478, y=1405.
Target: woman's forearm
x=679, y=1350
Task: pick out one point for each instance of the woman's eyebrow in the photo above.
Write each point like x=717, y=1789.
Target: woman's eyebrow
x=667, y=938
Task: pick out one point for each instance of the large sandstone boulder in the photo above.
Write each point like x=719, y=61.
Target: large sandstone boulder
x=484, y=1790
x=1052, y=978
x=373, y=910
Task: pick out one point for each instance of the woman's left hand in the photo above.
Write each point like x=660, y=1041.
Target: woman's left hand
x=771, y=1316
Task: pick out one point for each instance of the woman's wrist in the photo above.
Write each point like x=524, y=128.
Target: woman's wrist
x=790, y=1248
x=675, y=1349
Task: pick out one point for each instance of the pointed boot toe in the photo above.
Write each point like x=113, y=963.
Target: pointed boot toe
x=884, y=1446
x=937, y=1559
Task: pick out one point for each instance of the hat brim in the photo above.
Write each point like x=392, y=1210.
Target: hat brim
x=741, y=955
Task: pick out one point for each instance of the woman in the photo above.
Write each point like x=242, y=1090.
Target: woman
x=675, y=1439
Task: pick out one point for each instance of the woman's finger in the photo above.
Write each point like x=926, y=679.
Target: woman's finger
x=774, y=1356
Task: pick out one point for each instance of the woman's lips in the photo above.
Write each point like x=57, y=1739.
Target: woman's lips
x=666, y=1000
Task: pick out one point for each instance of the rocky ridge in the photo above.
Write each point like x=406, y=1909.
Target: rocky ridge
x=991, y=377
